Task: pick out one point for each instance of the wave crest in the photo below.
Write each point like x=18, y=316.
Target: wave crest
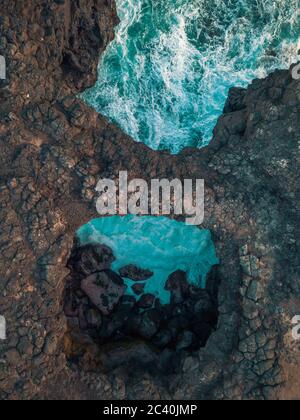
x=165, y=78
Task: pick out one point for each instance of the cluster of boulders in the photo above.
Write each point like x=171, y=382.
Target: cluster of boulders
x=97, y=302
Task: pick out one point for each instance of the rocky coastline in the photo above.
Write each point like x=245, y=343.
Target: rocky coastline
x=54, y=149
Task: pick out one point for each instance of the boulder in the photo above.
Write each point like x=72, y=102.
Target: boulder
x=93, y=318
x=178, y=285
x=185, y=340
x=163, y=338
x=112, y=326
x=128, y=301
x=149, y=325
x=146, y=301
x=203, y=303
x=104, y=290
x=135, y=273
x=143, y=325
x=138, y=288
x=91, y=259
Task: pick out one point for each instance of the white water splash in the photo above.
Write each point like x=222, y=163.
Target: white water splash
x=166, y=76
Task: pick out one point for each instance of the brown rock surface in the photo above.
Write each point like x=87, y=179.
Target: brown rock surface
x=53, y=149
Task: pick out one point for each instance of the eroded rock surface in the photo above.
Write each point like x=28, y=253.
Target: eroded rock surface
x=54, y=149
x=89, y=259
x=135, y=273
x=104, y=289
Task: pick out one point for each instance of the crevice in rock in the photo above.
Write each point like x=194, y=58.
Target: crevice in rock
x=108, y=329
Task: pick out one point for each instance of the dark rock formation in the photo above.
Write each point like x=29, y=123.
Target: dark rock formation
x=91, y=259
x=178, y=286
x=146, y=301
x=53, y=149
x=138, y=288
x=109, y=318
x=104, y=290
x=135, y=273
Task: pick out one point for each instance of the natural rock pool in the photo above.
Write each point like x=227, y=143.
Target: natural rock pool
x=158, y=244
x=139, y=296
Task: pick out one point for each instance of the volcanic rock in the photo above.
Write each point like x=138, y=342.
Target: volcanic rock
x=144, y=325
x=146, y=301
x=178, y=285
x=148, y=325
x=203, y=303
x=135, y=273
x=125, y=353
x=163, y=338
x=90, y=259
x=128, y=301
x=138, y=288
x=104, y=290
x=185, y=340
x=93, y=318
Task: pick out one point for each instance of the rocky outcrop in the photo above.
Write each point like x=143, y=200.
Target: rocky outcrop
x=111, y=319
x=104, y=289
x=53, y=150
x=90, y=259
x=135, y=273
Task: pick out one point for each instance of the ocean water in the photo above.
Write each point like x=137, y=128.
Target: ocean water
x=158, y=244
x=165, y=78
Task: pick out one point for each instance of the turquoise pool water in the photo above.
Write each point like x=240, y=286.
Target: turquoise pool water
x=158, y=244
x=165, y=78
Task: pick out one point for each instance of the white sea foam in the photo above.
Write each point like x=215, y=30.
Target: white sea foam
x=166, y=76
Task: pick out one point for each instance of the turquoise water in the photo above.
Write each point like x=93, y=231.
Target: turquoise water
x=158, y=244
x=165, y=78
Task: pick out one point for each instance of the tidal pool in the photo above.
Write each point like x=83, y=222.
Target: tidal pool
x=158, y=244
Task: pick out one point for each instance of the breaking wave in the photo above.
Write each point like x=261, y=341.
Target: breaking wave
x=165, y=78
